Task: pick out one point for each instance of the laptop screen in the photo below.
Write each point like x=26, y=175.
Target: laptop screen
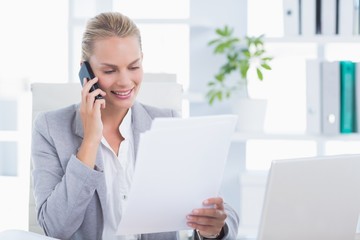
x=312, y=198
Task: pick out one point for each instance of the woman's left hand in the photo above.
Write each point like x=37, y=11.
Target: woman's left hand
x=209, y=220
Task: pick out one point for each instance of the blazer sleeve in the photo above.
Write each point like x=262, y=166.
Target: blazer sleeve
x=61, y=194
x=232, y=223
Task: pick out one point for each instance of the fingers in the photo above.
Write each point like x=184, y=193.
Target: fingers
x=88, y=98
x=209, y=219
x=209, y=213
x=206, y=226
x=218, y=202
x=214, y=208
x=99, y=103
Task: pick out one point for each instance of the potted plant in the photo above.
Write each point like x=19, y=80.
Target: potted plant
x=242, y=56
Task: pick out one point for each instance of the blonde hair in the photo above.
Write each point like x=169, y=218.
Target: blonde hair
x=105, y=25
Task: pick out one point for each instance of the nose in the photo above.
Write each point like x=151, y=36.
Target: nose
x=123, y=78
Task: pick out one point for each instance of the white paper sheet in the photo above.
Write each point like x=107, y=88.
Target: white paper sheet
x=179, y=164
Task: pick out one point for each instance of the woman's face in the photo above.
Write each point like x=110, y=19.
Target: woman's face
x=117, y=62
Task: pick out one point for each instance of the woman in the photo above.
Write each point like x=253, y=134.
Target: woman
x=83, y=155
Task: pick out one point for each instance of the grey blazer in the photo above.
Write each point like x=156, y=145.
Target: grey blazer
x=69, y=196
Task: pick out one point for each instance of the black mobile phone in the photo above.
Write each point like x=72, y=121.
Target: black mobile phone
x=87, y=72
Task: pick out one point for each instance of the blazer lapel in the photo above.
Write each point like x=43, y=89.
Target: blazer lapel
x=141, y=122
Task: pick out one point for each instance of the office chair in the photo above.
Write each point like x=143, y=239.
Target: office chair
x=160, y=90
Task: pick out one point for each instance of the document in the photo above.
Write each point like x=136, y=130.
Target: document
x=180, y=163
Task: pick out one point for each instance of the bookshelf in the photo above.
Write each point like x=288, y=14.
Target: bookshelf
x=317, y=39
x=291, y=51
x=242, y=137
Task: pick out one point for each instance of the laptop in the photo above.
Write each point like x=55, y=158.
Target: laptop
x=314, y=198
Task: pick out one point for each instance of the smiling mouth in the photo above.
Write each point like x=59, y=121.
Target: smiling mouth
x=122, y=93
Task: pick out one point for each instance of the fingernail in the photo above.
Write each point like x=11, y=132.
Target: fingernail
x=195, y=211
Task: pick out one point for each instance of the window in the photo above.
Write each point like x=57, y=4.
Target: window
x=165, y=34
x=33, y=49
x=155, y=9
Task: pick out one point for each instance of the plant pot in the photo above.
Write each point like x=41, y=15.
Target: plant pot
x=251, y=114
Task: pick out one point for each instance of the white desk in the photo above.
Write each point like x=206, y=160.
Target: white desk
x=357, y=237
x=21, y=235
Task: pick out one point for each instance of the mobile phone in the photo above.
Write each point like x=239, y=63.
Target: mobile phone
x=87, y=72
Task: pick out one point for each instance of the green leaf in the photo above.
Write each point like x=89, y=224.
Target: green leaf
x=210, y=93
x=228, y=68
x=259, y=73
x=212, y=42
x=211, y=99
x=219, y=95
x=231, y=57
x=234, y=40
x=219, y=48
x=219, y=77
x=259, y=53
x=264, y=65
x=246, y=53
x=220, y=32
x=258, y=43
x=243, y=72
x=224, y=32
x=228, y=31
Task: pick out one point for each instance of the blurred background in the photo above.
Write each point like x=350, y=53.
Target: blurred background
x=40, y=42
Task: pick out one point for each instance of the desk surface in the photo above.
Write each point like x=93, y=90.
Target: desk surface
x=21, y=235
x=357, y=237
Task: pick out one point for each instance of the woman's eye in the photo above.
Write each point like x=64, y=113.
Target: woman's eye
x=134, y=68
x=109, y=72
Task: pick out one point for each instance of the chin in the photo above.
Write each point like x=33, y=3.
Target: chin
x=126, y=104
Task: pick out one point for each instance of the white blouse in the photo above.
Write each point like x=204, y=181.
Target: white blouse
x=118, y=170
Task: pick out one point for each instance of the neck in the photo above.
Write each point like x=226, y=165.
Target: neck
x=112, y=118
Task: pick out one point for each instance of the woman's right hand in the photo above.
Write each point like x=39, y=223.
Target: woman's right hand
x=90, y=110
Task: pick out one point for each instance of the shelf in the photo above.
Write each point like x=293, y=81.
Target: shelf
x=194, y=97
x=320, y=39
x=242, y=137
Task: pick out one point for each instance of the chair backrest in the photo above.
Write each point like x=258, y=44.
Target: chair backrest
x=160, y=90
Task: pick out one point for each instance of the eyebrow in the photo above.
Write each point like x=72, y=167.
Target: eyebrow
x=114, y=66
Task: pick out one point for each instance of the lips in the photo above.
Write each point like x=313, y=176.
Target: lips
x=123, y=93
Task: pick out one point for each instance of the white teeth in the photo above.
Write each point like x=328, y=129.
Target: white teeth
x=122, y=93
